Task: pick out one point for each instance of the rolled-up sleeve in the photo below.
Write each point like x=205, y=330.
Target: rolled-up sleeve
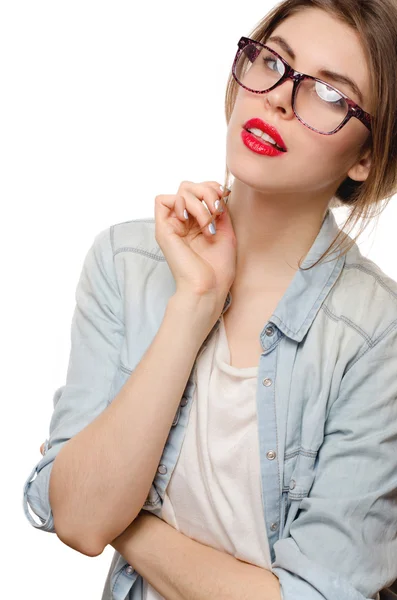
x=97, y=332
x=343, y=543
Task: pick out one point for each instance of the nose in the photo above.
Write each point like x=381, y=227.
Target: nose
x=281, y=97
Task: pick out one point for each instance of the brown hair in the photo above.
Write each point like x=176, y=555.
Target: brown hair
x=376, y=23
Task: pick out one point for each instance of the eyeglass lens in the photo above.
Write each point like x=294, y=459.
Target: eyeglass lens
x=317, y=104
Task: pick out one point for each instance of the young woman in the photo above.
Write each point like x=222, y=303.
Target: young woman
x=241, y=386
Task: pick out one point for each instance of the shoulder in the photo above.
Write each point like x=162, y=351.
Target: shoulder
x=364, y=297
x=134, y=236
x=133, y=259
x=136, y=233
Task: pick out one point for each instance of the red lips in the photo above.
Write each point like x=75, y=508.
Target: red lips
x=266, y=128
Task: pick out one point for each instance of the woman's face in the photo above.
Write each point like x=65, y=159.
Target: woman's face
x=314, y=163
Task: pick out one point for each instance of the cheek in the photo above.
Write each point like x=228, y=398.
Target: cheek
x=332, y=153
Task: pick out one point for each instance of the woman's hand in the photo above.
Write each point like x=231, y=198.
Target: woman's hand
x=202, y=264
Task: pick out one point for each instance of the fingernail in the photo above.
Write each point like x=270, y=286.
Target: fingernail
x=218, y=206
x=185, y=214
x=212, y=228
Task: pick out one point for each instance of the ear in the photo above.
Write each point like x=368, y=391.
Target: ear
x=359, y=171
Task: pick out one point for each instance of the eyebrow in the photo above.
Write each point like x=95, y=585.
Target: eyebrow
x=338, y=77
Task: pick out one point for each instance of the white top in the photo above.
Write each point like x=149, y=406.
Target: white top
x=214, y=494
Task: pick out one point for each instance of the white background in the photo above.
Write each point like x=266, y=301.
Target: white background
x=89, y=136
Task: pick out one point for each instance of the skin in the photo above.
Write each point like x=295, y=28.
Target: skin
x=277, y=204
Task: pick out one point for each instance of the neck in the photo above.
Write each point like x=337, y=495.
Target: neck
x=273, y=233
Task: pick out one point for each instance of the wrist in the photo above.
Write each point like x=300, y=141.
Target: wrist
x=131, y=543
x=193, y=316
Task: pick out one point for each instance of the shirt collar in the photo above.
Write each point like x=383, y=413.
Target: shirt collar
x=304, y=296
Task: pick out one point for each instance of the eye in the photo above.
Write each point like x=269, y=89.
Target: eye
x=329, y=95
x=280, y=65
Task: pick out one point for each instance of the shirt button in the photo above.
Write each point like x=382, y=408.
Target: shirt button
x=274, y=526
x=129, y=570
x=267, y=382
x=292, y=484
x=162, y=469
x=184, y=401
x=269, y=330
x=271, y=455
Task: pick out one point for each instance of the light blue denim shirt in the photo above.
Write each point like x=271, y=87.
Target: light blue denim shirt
x=326, y=401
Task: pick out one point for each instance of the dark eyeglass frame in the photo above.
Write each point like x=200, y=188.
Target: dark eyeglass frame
x=354, y=110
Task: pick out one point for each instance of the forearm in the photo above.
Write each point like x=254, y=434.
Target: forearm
x=180, y=568
x=102, y=476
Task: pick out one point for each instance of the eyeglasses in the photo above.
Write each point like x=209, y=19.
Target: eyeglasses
x=318, y=105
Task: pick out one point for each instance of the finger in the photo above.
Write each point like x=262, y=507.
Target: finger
x=218, y=199
x=166, y=205
x=206, y=196
x=208, y=193
x=198, y=209
x=217, y=186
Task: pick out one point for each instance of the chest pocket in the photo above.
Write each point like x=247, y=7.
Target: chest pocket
x=299, y=475
x=289, y=469
x=288, y=482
